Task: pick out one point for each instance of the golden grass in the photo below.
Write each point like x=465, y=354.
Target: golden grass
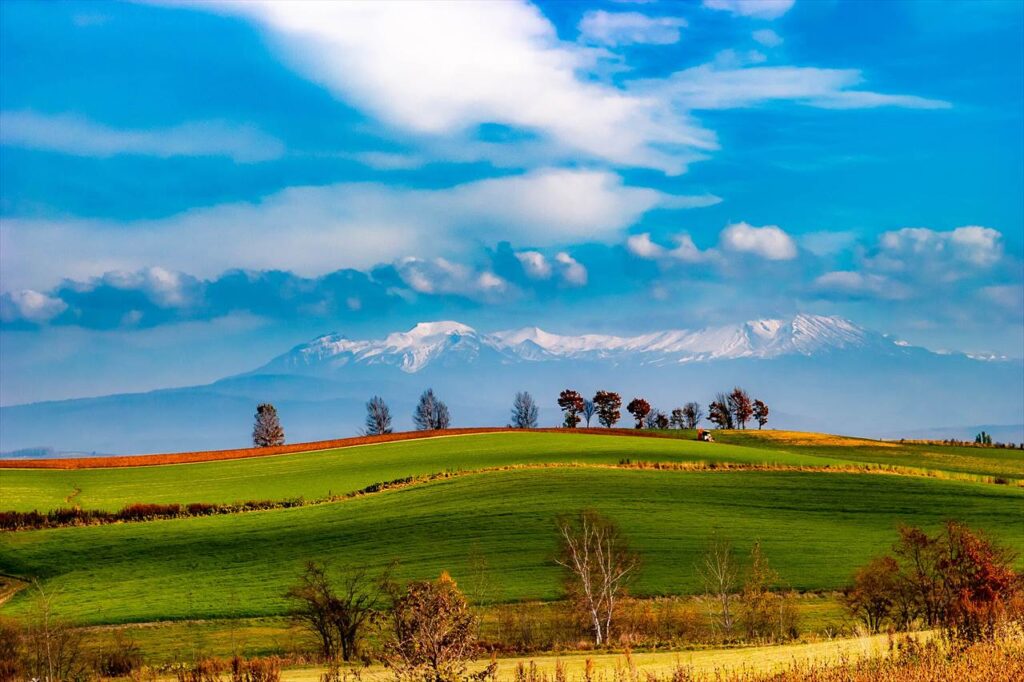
x=822, y=439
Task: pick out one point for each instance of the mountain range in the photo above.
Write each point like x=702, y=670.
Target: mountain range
x=815, y=372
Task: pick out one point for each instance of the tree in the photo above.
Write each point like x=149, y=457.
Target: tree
x=678, y=419
x=53, y=648
x=656, y=419
x=740, y=406
x=267, y=431
x=758, y=607
x=524, y=411
x=431, y=414
x=719, y=572
x=639, y=408
x=433, y=633
x=598, y=565
x=872, y=596
x=589, y=409
x=571, y=403
x=607, y=405
x=719, y=413
x=378, y=417
x=336, y=614
x=692, y=413
x=760, y=413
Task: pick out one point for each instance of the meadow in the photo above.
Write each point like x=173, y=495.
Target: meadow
x=816, y=528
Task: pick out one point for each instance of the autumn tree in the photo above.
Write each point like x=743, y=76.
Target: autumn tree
x=431, y=413
x=336, y=611
x=656, y=419
x=872, y=596
x=598, y=564
x=760, y=413
x=53, y=648
x=639, y=408
x=719, y=572
x=432, y=633
x=692, y=414
x=607, y=404
x=765, y=614
x=378, y=417
x=740, y=406
x=267, y=431
x=571, y=403
x=589, y=410
x=524, y=411
x=719, y=413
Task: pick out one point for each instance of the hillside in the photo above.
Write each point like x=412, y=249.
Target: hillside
x=818, y=518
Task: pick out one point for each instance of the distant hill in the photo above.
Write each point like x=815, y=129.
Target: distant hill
x=816, y=373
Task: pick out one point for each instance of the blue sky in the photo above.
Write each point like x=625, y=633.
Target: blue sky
x=187, y=190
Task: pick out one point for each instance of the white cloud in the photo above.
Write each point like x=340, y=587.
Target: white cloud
x=759, y=9
x=571, y=270
x=29, y=305
x=535, y=265
x=685, y=250
x=853, y=284
x=441, y=69
x=74, y=135
x=769, y=242
x=164, y=288
x=722, y=85
x=1009, y=297
x=767, y=37
x=925, y=253
x=629, y=28
x=441, y=276
x=314, y=230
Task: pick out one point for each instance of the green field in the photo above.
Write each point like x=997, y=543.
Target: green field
x=815, y=528
x=315, y=475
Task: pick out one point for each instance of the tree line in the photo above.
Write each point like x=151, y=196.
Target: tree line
x=726, y=411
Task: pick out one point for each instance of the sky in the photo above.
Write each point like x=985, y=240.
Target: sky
x=189, y=189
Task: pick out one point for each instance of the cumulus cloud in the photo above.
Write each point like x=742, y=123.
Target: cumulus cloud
x=441, y=276
x=314, y=230
x=570, y=269
x=767, y=37
x=489, y=62
x=769, y=242
x=685, y=251
x=921, y=252
x=78, y=136
x=724, y=85
x=758, y=9
x=629, y=28
x=535, y=264
x=29, y=306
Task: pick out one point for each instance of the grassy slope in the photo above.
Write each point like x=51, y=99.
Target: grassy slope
x=815, y=527
x=318, y=474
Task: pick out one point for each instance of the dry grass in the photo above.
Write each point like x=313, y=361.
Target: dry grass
x=802, y=438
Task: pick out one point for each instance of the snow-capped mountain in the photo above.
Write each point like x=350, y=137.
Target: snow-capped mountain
x=450, y=342
x=816, y=373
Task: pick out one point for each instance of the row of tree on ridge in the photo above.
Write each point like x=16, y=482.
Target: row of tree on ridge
x=727, y=411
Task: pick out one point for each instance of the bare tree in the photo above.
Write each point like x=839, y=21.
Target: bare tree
x=53, y=647
x=719, y=572
x=639, y=408
x=571, y=403
x=378, y=417
x=692, y=414
x=760, y=413
x=267, y=431
x=599, y=565
x=524, y=411
x=336, y=612
x=431, y=414
x=740, y=406
x=678, y=419
x=433, y=633
x=607, y=404
x=589, y=410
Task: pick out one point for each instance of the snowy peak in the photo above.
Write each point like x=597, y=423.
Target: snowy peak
x=450, y=343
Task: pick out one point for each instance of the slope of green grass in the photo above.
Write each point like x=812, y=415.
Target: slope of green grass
x=815, y=527
x=316, y=475
x=1003, y=462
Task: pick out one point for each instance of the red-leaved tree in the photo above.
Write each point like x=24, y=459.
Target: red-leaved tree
x=571, y=403
x=638, y=407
